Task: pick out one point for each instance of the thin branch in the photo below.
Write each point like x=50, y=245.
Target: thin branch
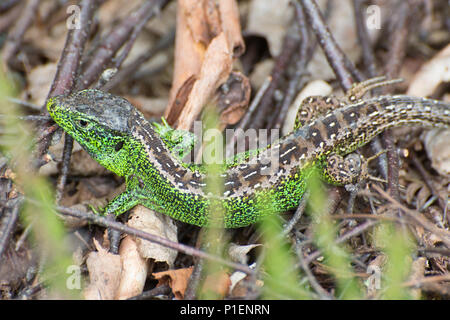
x=102, y=221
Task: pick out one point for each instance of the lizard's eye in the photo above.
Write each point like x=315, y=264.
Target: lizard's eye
x=119, y=146
x=83, y=123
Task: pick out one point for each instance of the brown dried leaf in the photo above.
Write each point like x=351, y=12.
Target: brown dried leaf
x=196, y=19
x=431, y=75
x=231, y=25
x=39, y=82
x=158, y=224
x=438, y=150
x=233, y=98
x=180, y=100
x=134, y=270
x=239, y=253
x=176, y=279
x=214, y=72
x=218, y=283
x=188, y=53
x=104, y=274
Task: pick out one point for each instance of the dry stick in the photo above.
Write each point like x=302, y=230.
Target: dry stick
x=67, y=70
x=66, y=75
x=417, y=217
x=131, y=68
x=341, y=65
x=300, y=65
x=14, y=39
x=136, y=31
x=194, y=281
x=115, y=40
x=248, y=115
x=102, y=221
x=7, y=4
x=398, y=40
x=323, y=294
x=427, y=179
x=157, y=291
x=8, y=224
x=354, y=232
x=369, y=62
x=419, y=282
x=290, y=44
x=368, y=56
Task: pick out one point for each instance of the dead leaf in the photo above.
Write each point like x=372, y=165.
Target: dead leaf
x=104, y=274
x=214, y=72
x=39, y=82
x=233, y=98
x=180, y=100
x=438, y=150
x=431, y=75
x=158, y=224
x=176, y=279
x=239, y=253
x=217, y=283
x=134, y=270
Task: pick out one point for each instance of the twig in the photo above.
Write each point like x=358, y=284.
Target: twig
x=399, y=40
x=417, y=217
x=115, y=40
x=354, y=232
x=323, y=294
x=131, y=68
x=427, y=179
x=298, y=214
x=290, y=44
x=157, y=291
x=368, y=55
x=102, y=221
x=300, y=66
x=8, y=223
x=246, y=119
x=15, y=37
x=341, y=65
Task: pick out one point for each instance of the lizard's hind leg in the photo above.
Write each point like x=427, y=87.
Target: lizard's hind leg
x=359, y=89
x=340, y=170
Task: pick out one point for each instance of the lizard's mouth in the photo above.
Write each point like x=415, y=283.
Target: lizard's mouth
x=53, y=106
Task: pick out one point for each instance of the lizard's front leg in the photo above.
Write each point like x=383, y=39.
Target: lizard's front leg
x=131, y=197
x=122, y=203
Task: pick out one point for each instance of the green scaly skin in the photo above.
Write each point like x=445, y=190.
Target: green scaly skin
x=116, y=135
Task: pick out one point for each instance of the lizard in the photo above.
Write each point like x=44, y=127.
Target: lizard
x=327, y=132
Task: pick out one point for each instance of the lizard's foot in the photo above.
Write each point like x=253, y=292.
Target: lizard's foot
x=349, y=169
x=359, y=89
x=344, y=170
x=96, y=211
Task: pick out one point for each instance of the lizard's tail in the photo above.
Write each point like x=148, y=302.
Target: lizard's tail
x=375, y=115
x=403, y=110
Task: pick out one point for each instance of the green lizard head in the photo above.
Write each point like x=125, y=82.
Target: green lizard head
x=100, y=123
